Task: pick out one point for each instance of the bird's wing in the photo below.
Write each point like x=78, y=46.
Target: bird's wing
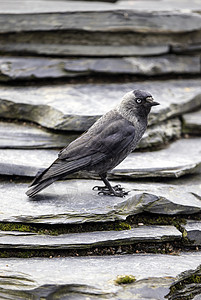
x=90, y=149
x=110, y=141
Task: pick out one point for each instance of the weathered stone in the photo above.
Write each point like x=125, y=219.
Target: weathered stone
x=92, y=277
x=26, y=136
x=180, y=158
x=73, y=201
x=55, y=45
x=193, y=231
x=25, y=162
x=76, y=107
x=160, y=134
x=94, y=17
x=137, y=65
x=187, y=285
x=102, y=29
x=96, y=44
x=89, y=239
x=192, y=123
x=12, y=68
x=195, y=48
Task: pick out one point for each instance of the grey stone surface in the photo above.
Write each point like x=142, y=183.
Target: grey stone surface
x=73, y=201
x=137, y=65
x=193, y=231
x=25, y=162
x=160, y=134
x=102, y=29
x=89, y=239
x=26, y=136
x=76, y=107
x=93, y=277
x=192, y=123
x=180, y=158
x=187, y=285
x=94, y=17
x=12, y=68
x=30, y=43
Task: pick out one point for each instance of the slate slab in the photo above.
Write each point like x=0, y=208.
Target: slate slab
x=94, y=17
x=92, y=277
x=84, y=44
x=160, y=134
x=179, y=158
x=187, y=285
x=12, y=68
x=27, y=136
x=193, y=231
x=102, y=29
x=192, y=123
x=89, y=239
x=76, y=107
x=73, y=201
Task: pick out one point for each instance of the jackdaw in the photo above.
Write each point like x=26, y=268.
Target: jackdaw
x=106, y=143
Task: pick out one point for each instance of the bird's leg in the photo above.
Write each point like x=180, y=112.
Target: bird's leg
x=116, y=190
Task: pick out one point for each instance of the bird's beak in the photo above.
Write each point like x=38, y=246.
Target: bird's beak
x=151, y=101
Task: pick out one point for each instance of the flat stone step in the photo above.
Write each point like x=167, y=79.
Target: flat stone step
x=74, y=201
x=93, y=277
x=26, y=136
x=192, y=123
x=76, y=107
x=29, y=68
x=102, y=29
x=29, y=136
x=94, y=17
x=180, y=158
x=86, y=240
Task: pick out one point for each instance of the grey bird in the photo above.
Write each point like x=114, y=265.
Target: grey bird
x=106, y=143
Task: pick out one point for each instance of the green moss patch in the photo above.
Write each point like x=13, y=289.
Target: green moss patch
x=125, y=279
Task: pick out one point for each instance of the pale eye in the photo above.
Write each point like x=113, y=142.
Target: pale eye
x=138, y=100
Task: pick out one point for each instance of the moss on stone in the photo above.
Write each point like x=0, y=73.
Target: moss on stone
x=154, y=219
x=125, y=279
x=187, y=287
x=122, y=226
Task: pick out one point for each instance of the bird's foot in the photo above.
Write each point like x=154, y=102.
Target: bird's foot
x=116, y=190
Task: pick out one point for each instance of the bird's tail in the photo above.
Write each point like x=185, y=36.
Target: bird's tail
x=40, y=186
x=59, y=169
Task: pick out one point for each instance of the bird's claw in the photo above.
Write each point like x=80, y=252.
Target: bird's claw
x=117, y=191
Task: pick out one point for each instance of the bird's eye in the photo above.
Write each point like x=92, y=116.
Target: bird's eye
x=138, y=100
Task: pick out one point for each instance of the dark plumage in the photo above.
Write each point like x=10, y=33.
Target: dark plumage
x=107, y=142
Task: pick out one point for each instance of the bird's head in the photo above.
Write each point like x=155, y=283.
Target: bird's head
x=137, y=103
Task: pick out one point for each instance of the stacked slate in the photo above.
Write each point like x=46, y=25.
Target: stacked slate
x=62, y=65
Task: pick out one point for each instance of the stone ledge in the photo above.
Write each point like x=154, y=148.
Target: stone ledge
x=73, y=201
x=29, y=68
x=94, y=17
x=76, y=107
x=89, y=239
x=94, y=276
